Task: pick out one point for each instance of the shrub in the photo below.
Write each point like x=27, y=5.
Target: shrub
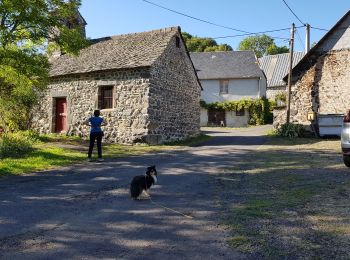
x=291, y=130
x=17, y=144
x=260, y=110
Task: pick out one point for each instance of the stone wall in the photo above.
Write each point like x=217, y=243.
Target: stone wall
x=126, y=122
x=323, y=88
x=174, y=96
x=150, y=104
x=279, y=116
x=271, y=92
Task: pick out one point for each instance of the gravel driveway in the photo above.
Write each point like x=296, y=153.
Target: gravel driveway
x=84, y=211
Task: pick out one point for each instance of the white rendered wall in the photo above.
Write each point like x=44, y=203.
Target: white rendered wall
x=237, y=89
x=204, y=117
x=236, y=121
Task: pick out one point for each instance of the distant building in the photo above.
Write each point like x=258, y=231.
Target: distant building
x=228, y=76
x=276, y=68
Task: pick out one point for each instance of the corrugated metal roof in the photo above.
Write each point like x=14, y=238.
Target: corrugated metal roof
x=226, y=65
x=276, y=67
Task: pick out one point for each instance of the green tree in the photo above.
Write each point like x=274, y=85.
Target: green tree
x=261, y=45
x=25, y=27
x=198, y=44
x=274, y=49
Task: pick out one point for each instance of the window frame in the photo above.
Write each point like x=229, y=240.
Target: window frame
x=102, y=98
x=223, y=86
x=240, y=112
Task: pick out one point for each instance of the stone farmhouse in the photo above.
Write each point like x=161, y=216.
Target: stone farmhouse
x=275, y=68
x=228, y=76
x=321, y=82
x=144, y=84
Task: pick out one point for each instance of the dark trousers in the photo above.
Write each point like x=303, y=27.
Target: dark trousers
x=96, y=136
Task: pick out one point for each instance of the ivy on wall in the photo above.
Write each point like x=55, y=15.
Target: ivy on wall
x=260, y=110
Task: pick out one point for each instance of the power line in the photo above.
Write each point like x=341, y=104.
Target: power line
x=319, y=28
x=246, y=34
x=299, y=38
x=293, y=12
x=192, y=17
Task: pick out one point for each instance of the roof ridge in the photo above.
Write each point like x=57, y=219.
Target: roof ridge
x=210, y=52
x=161, y=30
x=280, y=54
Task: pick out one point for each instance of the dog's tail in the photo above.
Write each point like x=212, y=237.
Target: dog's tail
x=134, y=191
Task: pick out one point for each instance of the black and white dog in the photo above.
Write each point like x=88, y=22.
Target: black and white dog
x=143, y=182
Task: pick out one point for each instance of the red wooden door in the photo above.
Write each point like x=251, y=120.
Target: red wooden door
x=61, y=115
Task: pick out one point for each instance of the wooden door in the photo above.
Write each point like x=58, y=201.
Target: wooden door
x=61, y=115
x=216, y=117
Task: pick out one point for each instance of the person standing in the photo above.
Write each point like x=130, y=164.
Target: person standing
x=96, y=133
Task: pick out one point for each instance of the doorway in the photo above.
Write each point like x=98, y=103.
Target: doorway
x=216, y=117
x=61, y=124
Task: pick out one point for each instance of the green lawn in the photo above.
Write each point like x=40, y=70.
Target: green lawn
x=58, y=150
x=290, y=200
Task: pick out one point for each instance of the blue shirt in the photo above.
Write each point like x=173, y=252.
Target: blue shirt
x=95, y=122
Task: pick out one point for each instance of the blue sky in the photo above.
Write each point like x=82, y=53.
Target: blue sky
x=113, y=17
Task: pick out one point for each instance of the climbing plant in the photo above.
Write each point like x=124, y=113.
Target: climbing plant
x=260, y=110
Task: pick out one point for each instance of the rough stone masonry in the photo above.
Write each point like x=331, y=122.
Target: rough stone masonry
x=153, y=103
x=324, y=88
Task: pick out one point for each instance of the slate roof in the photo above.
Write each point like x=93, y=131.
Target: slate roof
x=277, y=66
x=116, y=52
x=226, y=65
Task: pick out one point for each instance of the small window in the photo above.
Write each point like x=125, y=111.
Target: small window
x=223, y=87
x=105, y=97
x=177, y=41
x=240, y=112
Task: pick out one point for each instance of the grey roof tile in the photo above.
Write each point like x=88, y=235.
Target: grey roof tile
x=226, y=64
x=116, y=52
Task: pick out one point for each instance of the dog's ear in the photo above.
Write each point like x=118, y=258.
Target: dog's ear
x=151, y=167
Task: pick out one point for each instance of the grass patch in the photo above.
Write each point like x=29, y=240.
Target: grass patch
x=62, y=138
x=54, y=150
x=242, y=243
x=42, y=158
x=292, y=197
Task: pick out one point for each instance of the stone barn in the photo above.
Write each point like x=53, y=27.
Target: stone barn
x=321, y=83
x=144, y=84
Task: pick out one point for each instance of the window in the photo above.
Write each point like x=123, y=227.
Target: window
x=105, y=97
x=240, y=112
x=223, y=86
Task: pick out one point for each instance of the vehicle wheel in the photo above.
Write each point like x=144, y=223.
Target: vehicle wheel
x=346, y=160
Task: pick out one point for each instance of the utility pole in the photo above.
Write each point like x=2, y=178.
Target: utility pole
x=291, y=50
x=307, y=41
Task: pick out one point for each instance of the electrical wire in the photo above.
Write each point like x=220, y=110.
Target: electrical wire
x=290, y=9
x=319, y=29
x=299, y=38
x=192, y=17
x=247, y=34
